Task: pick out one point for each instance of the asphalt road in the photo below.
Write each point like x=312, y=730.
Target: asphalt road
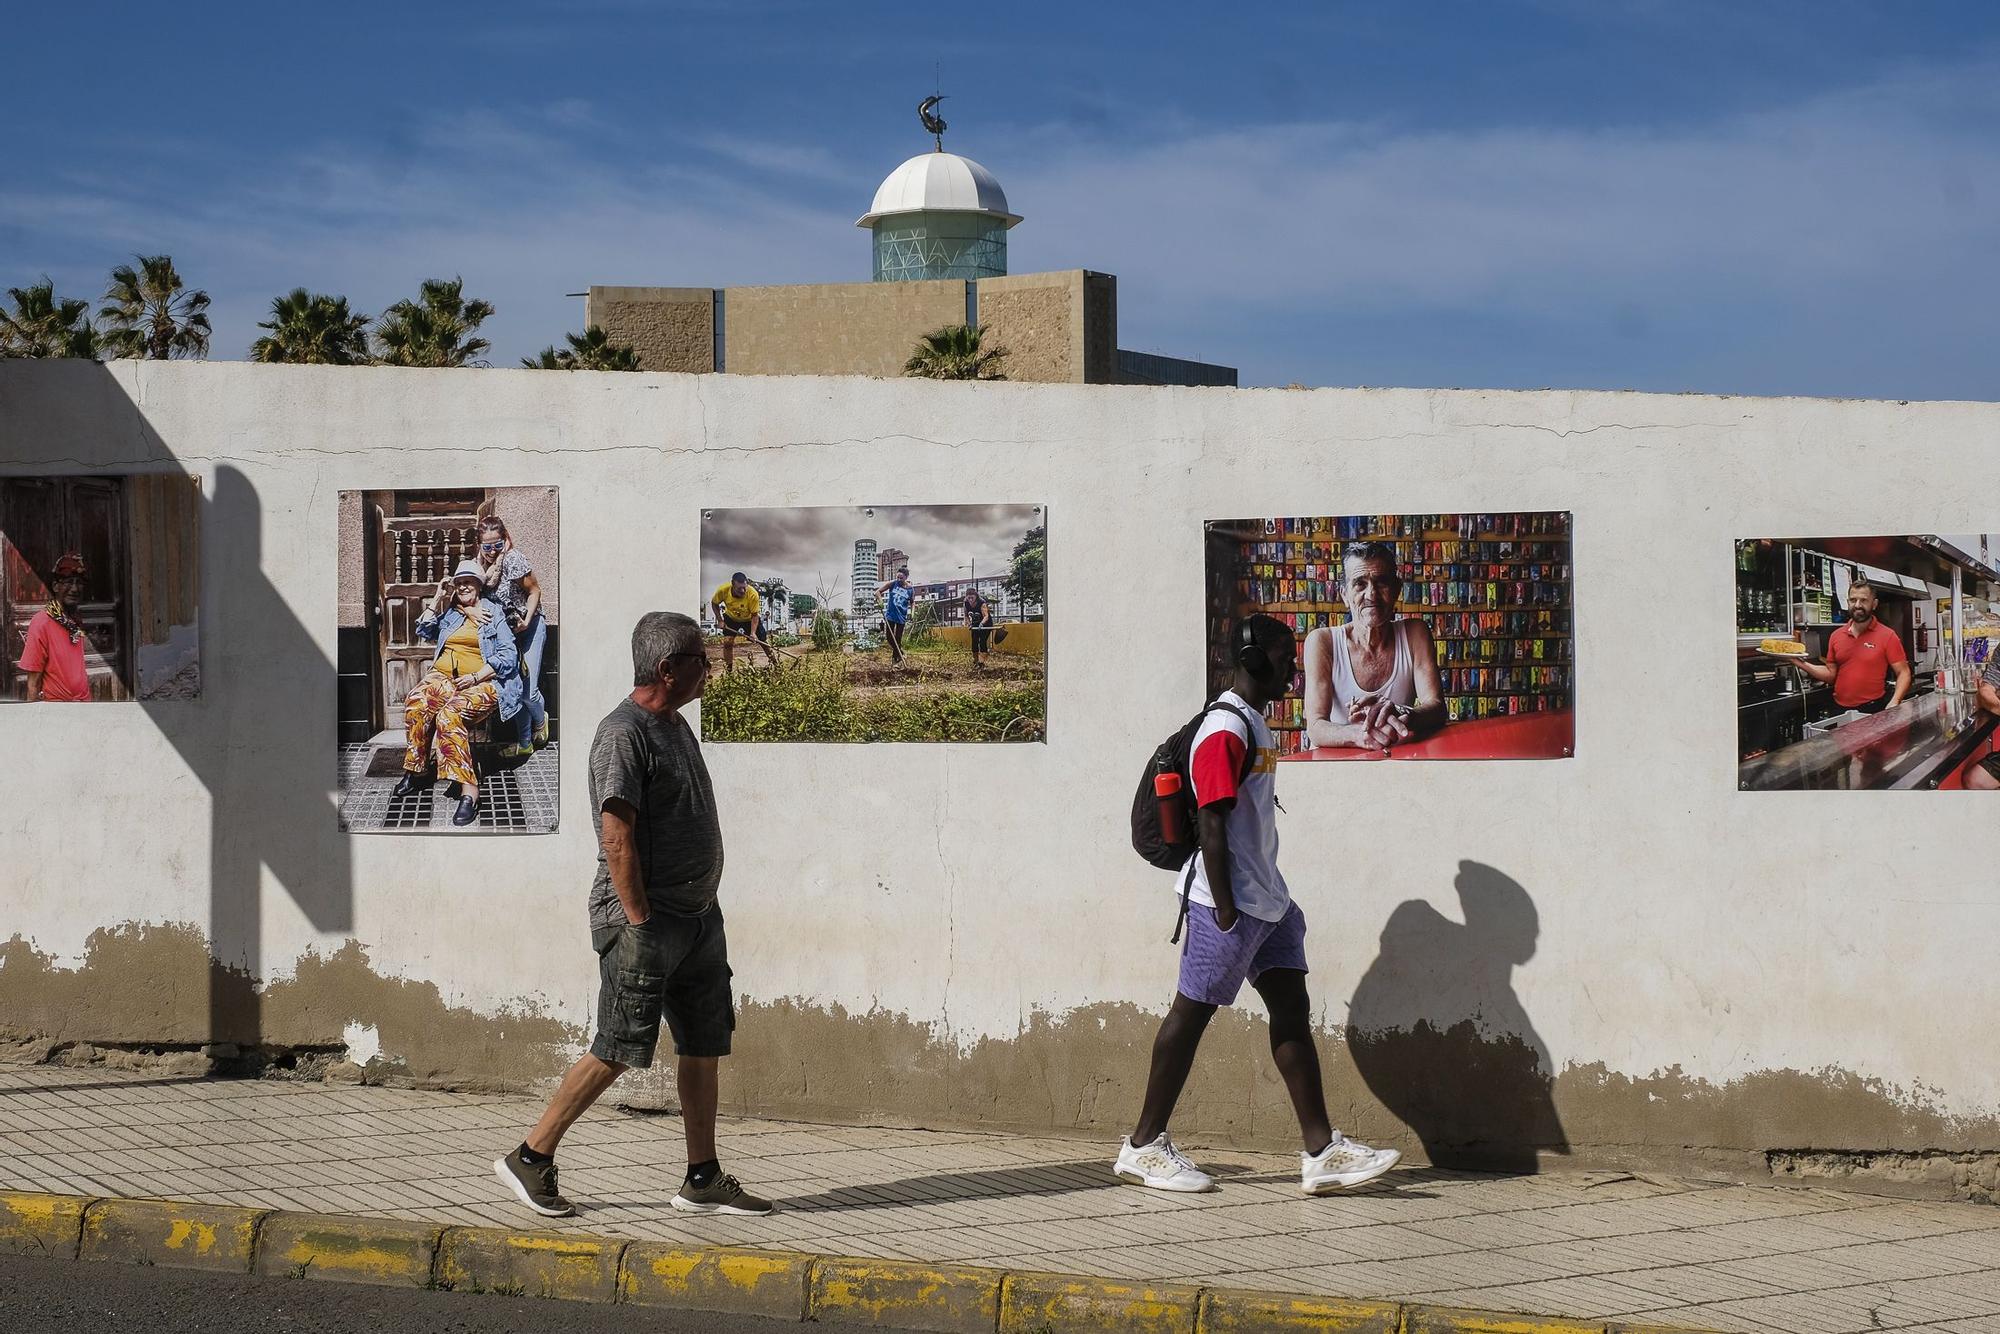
x=40, y=1296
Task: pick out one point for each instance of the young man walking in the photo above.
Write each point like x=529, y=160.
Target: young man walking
x=1243, y=926
x=654, y=922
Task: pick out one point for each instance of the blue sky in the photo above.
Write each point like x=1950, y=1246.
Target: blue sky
x=1759, y=198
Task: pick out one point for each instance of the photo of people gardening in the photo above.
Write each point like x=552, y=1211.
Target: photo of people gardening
x=875, y=623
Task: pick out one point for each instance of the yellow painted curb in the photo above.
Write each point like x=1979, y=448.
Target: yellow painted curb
x=165, y=1232
x=534, y=1264
x=1234, y=1311
x=739, y=1282
x=352, y=1250
x=788, y=1285
x=897, y=1294
x=1064, y=1302
x=32, y=1224
x=1440, y=1320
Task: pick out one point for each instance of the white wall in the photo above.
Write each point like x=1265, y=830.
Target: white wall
x=1682, y=924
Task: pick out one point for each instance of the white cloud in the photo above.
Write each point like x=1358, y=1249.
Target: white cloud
x=1849, y=214
x=1851, y=185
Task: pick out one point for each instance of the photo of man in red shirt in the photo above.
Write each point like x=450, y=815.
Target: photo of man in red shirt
x=53, y=652
x=1860, y=656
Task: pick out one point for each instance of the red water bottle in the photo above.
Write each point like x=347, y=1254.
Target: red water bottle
x=1167, y=790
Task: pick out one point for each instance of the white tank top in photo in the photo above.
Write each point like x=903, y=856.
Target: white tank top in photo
x=1400, y=688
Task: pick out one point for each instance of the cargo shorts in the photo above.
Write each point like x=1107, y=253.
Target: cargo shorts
x=671, y=966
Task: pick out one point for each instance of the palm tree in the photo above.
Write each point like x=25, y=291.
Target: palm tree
x=309, y=328
x=956, y=352
x=148, y=312
x=42, y=326
x=434, y=330
x=591, y=350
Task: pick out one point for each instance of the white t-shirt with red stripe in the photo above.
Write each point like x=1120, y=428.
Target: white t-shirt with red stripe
x=1216, y=759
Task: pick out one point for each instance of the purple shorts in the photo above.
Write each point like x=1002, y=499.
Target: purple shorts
x=1215, y=963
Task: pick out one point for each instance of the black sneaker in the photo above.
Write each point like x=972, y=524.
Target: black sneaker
x=534, y=1184
x=724, y=1195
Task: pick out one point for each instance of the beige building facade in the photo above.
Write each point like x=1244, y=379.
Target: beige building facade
x=1058, y=328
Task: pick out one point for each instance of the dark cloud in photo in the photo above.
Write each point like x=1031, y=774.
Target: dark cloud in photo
x=813, y=547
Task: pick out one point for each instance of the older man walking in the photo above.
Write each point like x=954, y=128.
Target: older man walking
x=654, y=922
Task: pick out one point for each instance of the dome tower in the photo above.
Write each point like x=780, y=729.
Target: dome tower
x=939, y=215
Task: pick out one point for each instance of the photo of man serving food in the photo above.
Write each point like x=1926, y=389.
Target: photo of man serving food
x=1858, y=661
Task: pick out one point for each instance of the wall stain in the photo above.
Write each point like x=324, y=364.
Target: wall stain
x=149, y=985
x=1079, y=1072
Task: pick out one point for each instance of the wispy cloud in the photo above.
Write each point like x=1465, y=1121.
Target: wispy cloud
x=1864, y=221
x=1851, y=184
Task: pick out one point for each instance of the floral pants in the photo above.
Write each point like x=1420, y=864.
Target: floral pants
x=438, y=710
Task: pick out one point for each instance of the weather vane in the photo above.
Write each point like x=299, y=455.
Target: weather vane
x=933, y=123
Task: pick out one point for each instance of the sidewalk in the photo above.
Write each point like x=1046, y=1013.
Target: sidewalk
x=1596, y=1246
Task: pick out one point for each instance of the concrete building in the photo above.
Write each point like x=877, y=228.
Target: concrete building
x=867, y=573
x=938, y=227
x=891, y=560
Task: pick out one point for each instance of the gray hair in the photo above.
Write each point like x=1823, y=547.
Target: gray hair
x=1372, y=550
x=658, y=635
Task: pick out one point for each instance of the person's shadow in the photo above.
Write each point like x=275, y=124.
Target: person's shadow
x=1439, y=1037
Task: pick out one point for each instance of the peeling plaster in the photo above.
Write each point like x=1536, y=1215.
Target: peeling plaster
x=1454, y=1096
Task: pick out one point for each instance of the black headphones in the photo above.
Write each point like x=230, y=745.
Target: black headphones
x=1250, y=655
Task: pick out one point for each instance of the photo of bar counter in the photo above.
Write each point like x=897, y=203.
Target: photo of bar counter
x=1867, y=662
x=875, y=623
x=1421, y=636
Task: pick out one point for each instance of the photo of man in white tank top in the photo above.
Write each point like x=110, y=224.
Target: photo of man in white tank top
x=1373, y=682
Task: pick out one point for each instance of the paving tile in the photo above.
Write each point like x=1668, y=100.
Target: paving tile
x=1585, y=1298
x=1678, y=1252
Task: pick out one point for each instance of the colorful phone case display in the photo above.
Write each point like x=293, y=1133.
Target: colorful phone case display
x=1421, y=636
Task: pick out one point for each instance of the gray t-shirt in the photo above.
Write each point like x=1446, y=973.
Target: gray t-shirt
x=653, y=762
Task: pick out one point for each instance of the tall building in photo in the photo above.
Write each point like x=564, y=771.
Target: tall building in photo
x=867, y=573
x=938, y=228
x=892, y=560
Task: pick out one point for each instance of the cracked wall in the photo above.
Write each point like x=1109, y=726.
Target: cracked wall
x=954, y=935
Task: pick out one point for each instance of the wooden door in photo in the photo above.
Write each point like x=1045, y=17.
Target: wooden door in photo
x=419, y=538
x=40, y=519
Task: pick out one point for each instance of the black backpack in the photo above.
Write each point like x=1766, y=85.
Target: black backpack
x=1172, y=756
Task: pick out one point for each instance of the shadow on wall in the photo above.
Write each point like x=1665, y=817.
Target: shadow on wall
x=1439, y=1037
x=259, y=735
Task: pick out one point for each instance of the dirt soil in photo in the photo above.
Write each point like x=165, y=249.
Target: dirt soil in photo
x=935, y=694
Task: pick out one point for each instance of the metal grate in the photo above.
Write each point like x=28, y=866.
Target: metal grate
x=522, y=801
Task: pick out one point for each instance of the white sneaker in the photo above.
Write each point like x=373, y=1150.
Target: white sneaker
x=1345, y=1162
x=1159, y=1165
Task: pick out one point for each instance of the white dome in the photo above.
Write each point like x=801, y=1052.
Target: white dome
x=939, y=182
